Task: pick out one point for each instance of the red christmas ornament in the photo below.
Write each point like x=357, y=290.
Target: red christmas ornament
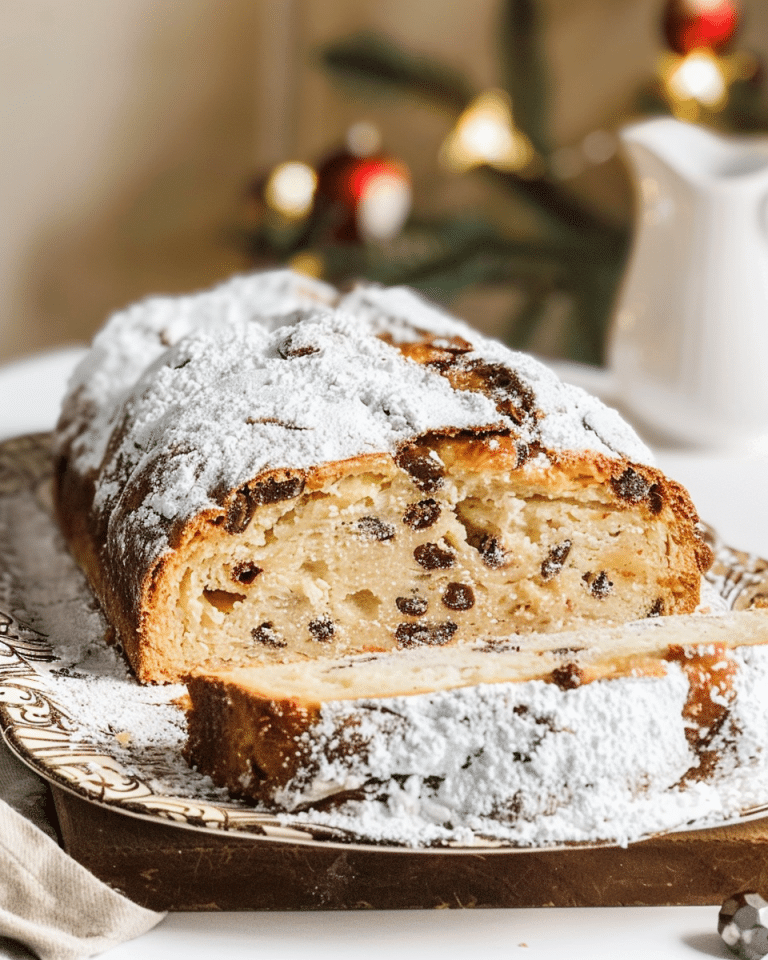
x=367, y=197
x=691, y=24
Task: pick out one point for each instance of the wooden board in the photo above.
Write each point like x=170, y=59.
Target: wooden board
x=167, y=867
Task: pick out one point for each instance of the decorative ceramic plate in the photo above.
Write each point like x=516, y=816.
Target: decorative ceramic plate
x=70, y=710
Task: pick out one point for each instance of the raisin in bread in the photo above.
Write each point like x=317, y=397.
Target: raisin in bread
x=597, y=734
x=274, y=471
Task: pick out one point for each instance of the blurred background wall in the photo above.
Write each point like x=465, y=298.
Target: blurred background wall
x=131, y=130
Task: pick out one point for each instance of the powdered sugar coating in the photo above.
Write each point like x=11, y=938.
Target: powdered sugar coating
x=191, y=397
x=236, y=406
x=742, y=739
x=586, y=750
x=134, y=338
x=532, y=764
x=572, y=419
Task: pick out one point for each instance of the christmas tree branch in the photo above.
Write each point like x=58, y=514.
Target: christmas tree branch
x=524, y=73
x=374, y=62
x=561, y=207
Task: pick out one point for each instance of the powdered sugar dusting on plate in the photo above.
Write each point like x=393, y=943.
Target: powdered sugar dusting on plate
x=102, y=706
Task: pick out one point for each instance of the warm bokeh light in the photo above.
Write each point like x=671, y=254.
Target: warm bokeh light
x=700, y=81
x=308, y=263
x=699, y=76
x=363, y=139
x=485, y=134
x=290, y=189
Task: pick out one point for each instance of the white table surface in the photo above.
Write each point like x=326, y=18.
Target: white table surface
x=727, y=488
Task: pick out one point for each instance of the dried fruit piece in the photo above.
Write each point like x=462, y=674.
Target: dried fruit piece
x=567, y=677
x=631, y=486
x=240, y=511
x=288, y=351
x=419, y=516
x=245, y=572
x=373, y=528
x=657, y=610
x=491, y=550
x=247, y=498
x=432, y=556
x=552, y=564
x=523, y=452
x=599, y=584
x=265, y=634
x=321, y=629
x=272, y=490
x=414, y=606
x=459, y=596
x=423, y=467
x=655, y=499
x=512, y=397
x=435, y=634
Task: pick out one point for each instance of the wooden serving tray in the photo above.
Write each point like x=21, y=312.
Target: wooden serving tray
x=168, y=867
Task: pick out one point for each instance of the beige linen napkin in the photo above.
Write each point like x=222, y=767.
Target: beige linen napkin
x=48, y=901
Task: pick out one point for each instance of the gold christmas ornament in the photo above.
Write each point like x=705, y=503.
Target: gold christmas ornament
x=485, y=133
x=700, y=81
x=290, y=189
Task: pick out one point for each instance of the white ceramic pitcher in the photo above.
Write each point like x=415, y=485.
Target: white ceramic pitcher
x=689, y=343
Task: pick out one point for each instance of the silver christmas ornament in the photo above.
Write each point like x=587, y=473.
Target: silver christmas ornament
x=743, y=925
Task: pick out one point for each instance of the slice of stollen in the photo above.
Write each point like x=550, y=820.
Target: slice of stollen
x=582, y=725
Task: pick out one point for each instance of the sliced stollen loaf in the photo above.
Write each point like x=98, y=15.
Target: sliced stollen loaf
x=596, y=734
x=274, y=471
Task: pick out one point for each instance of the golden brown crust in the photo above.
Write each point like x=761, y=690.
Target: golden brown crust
x=255, y=730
